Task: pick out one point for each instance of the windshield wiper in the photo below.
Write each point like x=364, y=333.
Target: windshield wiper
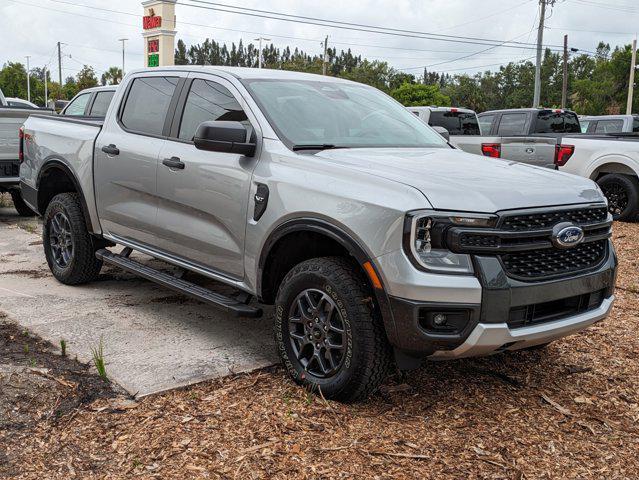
x=319, y=146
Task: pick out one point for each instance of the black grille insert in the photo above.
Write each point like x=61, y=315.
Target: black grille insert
x=556, y=310
x=552, y=262
x=540, y=221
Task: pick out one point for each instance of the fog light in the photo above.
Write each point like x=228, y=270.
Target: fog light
x=439, y=320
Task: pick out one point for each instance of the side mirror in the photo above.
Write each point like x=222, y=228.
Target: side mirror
x=443, y=132
x=223, y=136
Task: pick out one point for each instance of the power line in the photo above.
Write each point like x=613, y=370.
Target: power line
x=253, y=12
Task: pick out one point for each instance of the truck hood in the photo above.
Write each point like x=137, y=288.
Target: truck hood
x=455, y=180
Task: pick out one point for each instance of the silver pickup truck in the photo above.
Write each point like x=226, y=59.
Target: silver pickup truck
x=11, y=117
x=375, y=240
x=527, y=135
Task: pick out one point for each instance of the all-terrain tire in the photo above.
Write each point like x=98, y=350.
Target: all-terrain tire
x=622, y=192
x=82, y=266
x=367, y=356
x=21, y=207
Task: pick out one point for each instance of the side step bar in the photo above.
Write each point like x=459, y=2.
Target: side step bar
x=227, y=304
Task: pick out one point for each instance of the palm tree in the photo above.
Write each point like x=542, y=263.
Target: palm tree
x=112, y=76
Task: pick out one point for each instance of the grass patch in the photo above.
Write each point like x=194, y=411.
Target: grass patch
x=98, y=360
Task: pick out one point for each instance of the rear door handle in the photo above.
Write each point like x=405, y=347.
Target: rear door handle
x=111, y=150
x=174, y=162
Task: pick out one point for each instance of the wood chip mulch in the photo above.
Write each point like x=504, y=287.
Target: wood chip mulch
x=569, y=411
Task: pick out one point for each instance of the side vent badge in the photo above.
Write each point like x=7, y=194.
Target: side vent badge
x=261, y=200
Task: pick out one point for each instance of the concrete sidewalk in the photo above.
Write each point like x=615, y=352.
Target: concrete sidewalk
x=154, y=339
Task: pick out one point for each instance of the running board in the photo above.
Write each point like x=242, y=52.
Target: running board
x=225, y=303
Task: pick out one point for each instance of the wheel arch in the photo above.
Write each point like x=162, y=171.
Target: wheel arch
x=276, y=259
x=613, y=164
x=56, y=177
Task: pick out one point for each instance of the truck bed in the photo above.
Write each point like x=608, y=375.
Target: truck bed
x=70, y=141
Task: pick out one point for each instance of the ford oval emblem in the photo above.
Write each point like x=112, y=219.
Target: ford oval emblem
x=567, y=235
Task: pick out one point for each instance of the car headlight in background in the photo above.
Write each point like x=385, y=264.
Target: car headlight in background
x=424, y=239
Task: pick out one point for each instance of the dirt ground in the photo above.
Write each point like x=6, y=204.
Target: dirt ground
x=570, y=411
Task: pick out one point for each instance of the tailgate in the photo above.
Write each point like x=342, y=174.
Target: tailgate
x=538, y=151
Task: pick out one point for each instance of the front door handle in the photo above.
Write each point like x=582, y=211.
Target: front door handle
x=111, y=150
x=174, y=162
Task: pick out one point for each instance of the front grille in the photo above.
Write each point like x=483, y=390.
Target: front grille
x=540, y=221
x=9, y=169
x=537, y=313
x=552, y=262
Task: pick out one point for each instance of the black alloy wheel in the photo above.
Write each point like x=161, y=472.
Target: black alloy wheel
x=317, y=333
x=61, y=240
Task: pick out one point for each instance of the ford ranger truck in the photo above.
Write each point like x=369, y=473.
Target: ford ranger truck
x=377, y=243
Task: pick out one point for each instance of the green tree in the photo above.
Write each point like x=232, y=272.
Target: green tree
x=420, y=95
x=113, y=76
x=13, y=80
x=86, y=78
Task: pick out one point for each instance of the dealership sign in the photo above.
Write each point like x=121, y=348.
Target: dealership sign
x=151, y=21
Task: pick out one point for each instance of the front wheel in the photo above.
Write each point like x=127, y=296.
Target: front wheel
x=622, y=192
x=328, y=333
x=68, y=245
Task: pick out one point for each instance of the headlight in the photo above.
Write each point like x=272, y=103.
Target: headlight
x=424, y=239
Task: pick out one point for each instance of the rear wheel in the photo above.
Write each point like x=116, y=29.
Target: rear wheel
x=622, y=192
x=68, y=246
x=19, y=204
x=328, y=334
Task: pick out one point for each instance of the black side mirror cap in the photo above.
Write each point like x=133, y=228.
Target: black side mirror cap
x=223, y=136
x=443, y=132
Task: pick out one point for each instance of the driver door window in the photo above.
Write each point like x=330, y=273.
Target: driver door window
x=76, y=107
x=209, y=101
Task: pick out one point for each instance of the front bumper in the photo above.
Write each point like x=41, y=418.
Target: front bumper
x=506, y=314
x=488, y=338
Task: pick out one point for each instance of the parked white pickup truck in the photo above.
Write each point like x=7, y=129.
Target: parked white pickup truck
x=609, y=124
x=11, y=117
x=613, y=162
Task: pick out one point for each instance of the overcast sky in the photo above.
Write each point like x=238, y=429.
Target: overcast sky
x=32, y=27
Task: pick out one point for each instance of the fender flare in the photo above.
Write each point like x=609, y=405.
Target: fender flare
x=54, y=163
x=350, y=244
x=609, y=159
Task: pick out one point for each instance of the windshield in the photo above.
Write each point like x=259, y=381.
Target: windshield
x=338, y=115
x=457, y=123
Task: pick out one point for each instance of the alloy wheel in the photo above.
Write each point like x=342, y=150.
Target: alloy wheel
x=61, y=240
x=317, y=333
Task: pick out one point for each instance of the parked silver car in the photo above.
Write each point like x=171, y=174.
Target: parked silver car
x=376, y=241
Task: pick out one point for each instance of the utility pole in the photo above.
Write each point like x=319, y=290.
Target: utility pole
x=122, y=40
x=325, y=61
x=60, y=65
x=540, y=41
x=631, y=84
x=46, y=88
x=28, y=79
x=564, y=87
x=259, y=57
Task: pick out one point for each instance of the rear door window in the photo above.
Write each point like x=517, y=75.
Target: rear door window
x=76, y=107
x=635, y=125
x=486, y=124
x=549, y=121
x=147, y=104
x=209, y=101
x=609, y=126
x=457, y=123
x=101, y=104
x=512, y=124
